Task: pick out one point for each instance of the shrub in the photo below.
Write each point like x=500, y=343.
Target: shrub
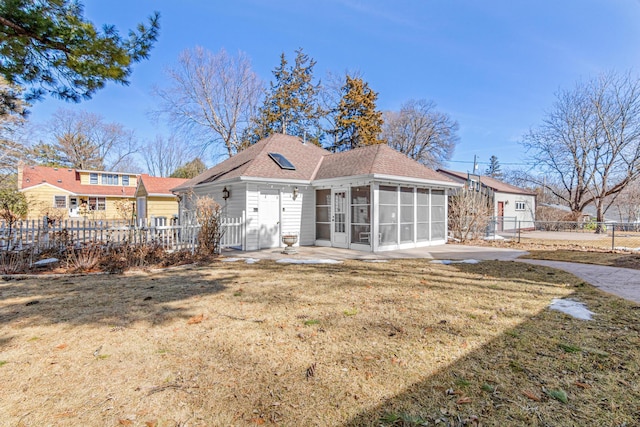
x=13, y=262
x=84, y=258
x=468, y=214
x=209, y=214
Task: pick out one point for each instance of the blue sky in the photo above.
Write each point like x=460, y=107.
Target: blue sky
x=494, y=66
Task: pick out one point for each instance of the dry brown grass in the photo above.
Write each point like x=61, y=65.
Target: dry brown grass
x=299, y=345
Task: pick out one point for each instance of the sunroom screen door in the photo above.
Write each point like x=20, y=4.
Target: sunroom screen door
x=339, y=229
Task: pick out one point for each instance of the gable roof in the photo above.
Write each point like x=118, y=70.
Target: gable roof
x=69, y=180
x=313, y=163
x=159, y=186
x=379, y=159
x=490, y=182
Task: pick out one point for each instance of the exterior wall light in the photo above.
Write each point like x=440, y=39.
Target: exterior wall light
x=295, y=193
x=226, y=194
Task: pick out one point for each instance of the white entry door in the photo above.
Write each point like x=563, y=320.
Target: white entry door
x=73, y=207
x=269, y=215
x=339, y=219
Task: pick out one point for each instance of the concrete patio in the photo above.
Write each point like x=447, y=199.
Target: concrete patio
x=453, y=252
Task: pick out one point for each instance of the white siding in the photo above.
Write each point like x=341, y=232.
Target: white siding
x=525, y=217
x=232, y=207
x=308, y=216
x=298, y=216
x=252, y=226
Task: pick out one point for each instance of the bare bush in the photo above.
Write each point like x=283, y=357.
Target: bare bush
x=469, y=214
x=85, y=258
x=209, y=214
x=13, y=262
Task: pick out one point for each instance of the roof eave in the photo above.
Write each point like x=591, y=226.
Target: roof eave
x=384, y=177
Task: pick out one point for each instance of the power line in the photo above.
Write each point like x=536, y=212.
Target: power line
x=487, y=163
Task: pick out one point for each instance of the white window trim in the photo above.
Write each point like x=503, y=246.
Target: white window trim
x=55, y=205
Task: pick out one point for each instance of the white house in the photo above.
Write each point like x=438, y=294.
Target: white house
x=370, y=199
x=513, y=207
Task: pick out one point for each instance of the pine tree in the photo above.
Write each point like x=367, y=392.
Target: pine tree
x=358, y=122
x=494, y=170
x=291, y=107
x=50, y=46
x=190, y=169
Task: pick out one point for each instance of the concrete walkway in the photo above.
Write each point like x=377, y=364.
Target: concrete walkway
x=623, y=282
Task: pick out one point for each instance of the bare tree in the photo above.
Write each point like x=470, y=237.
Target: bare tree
x=214, y=97
x=421, y=132
x=588, y=146
x=163, y=156
x=627, y=204
x=84, y=140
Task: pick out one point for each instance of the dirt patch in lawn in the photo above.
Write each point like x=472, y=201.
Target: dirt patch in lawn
x=348, y=344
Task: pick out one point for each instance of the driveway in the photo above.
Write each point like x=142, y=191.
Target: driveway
x=623, y=282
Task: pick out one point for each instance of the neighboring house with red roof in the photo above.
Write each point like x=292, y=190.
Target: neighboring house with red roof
x=67, y=193
x=513, y=207
x=155, y=202
x=371, y=198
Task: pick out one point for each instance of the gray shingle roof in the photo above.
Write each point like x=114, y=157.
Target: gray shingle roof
x=375, y=159
x=255, y=162
x=312, y=163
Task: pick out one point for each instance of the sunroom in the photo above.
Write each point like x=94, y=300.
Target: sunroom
x=380, y=215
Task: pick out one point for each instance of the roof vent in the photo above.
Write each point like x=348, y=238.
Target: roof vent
x=59, y=180
x=282, y=161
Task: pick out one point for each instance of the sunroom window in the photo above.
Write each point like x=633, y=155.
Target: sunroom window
x=361, y=215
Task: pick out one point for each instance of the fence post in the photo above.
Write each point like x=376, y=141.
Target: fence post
x=519, y=227
x=613, y=237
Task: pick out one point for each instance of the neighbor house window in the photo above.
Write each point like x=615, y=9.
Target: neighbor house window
x=520, y=206
x=125, y=180
x=97, y=204
x=323, y=214
x=109, y=179
x=60, y=202
x=93, y=178
x=361, y=215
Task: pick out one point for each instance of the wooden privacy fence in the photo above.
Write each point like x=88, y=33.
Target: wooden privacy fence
x=40, y=235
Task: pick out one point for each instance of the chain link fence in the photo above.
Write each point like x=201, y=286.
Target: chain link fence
x=601, y=235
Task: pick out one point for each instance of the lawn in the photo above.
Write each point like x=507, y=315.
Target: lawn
x=400, y=343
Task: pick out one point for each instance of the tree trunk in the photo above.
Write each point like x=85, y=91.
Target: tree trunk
x=599, y=218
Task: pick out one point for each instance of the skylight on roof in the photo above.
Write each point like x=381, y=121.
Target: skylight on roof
x=282, y=161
